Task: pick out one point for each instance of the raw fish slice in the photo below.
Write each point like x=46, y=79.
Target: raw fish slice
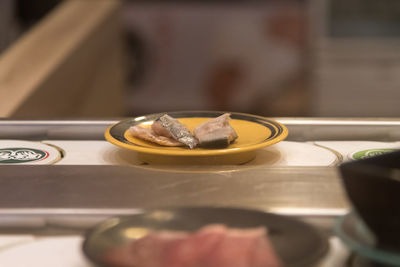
x=264, y=254
x=149, y=135
x=214, y=245
x=240, y=243
x=216, y=133
x=160, y=130
x=177, y=130
x=194, y=250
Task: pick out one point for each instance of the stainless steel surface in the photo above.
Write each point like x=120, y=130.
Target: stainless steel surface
x=54, y=129
x=337, y=129
x=113, y=187
x=300, y=129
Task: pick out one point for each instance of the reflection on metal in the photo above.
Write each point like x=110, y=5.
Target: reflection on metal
x=161, y=215
x=95, y=187
x=135, y=232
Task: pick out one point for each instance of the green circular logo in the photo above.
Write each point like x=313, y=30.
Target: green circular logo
x=21, y=155
x=371, y=153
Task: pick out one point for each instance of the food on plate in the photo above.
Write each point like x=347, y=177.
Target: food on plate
x=214, y=245
x=216, y=133
x=168, y=126
x=167, y=131
x=148, y=134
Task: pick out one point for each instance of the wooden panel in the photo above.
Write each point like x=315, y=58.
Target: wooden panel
x=69, y=65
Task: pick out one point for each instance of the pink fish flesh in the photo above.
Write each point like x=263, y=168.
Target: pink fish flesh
x=211, y=246
x=148, y=134
x=216, y=133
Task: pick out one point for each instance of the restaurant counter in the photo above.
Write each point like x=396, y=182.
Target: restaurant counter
x=90, y=179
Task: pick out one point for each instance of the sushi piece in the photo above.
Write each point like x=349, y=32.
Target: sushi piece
x=216, y=133
x=214, y=245
x=168, y=126
x=165, y=131
x=160, y=130
x=149, y=135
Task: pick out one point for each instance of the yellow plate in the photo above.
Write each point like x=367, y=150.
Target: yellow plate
x=254, y=133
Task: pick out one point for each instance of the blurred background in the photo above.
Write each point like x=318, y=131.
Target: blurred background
x=109, y=58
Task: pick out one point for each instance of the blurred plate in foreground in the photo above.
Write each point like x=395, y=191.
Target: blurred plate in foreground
x=296, y=243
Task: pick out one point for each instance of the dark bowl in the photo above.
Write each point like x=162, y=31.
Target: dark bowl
x=373, y=187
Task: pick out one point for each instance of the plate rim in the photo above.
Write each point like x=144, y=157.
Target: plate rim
x=206, y=152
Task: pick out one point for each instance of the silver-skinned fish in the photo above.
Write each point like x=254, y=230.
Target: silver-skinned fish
x=177, y=130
